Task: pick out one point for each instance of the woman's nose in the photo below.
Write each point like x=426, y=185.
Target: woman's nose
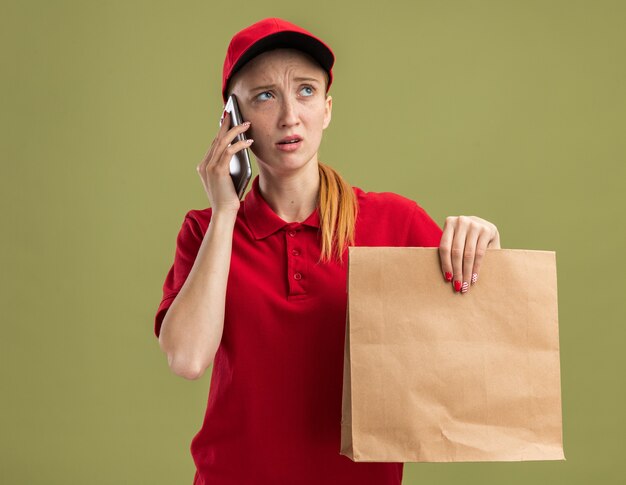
x=288, y=113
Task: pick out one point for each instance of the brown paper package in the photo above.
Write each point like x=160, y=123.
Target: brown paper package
x=432, y=375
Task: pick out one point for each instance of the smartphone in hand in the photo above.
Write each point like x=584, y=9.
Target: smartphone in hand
x=240, y=168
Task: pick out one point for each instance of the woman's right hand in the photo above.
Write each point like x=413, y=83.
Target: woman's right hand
x=214, y=170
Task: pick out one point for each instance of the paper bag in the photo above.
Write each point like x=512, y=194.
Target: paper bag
x=435, y=375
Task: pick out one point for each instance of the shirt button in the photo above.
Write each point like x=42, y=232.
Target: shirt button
x=292, y=233
x=295, y=252
x=297, y=276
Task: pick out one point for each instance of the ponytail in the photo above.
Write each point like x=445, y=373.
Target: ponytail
x=338, y=209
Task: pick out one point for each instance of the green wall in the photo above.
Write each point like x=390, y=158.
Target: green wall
x=510, y=110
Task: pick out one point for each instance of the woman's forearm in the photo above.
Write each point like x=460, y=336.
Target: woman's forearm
x=192, y=328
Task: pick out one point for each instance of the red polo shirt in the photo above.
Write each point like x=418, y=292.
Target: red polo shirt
x=274, y=407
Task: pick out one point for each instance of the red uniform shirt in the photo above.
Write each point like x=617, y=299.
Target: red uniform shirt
x=274, y=407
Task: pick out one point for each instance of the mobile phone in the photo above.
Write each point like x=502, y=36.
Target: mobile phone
x=240, y=168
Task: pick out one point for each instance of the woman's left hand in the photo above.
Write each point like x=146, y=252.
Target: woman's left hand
x=462, y=248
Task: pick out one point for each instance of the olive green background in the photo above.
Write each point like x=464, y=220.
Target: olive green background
x=513, y=111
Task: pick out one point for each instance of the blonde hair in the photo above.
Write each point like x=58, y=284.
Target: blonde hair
x=338, y=210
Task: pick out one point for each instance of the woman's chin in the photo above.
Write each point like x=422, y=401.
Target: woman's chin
x=286, y=162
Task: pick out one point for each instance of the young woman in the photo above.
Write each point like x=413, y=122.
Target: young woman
x=258, y=287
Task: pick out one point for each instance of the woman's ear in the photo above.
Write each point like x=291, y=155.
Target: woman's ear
x=328, y=108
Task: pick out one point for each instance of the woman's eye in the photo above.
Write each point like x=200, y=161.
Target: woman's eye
x=261, y=94
x=309, y=92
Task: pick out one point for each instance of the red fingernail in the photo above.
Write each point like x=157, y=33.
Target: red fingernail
x=464, y=287
x=448, y=276
x=457, y=286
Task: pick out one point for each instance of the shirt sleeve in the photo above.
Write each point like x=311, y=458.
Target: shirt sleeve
x=187, y=246
x=423, y=231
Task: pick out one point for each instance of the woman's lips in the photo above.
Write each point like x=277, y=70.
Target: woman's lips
x=289, y=147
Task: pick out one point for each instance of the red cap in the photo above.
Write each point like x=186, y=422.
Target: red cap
x=272, y=33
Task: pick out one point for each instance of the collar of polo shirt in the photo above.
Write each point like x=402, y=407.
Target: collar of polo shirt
x=263, y=221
